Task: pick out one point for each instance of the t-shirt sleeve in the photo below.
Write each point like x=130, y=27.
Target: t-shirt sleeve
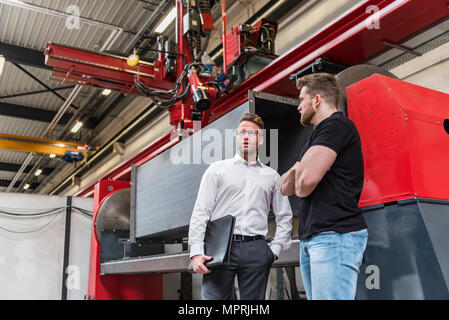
x=335, y=135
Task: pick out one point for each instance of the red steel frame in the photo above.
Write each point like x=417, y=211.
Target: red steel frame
x=347, y=40
x=116, y=287
x=113, y=69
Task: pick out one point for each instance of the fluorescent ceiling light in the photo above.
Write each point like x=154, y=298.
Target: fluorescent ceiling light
x=26, y=186
x=38, y=172
x=76, y=127
x=2, y=63
x=106, y=92
x=167, y=20
x=52, y=155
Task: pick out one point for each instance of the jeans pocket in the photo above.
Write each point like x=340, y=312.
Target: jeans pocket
x=361, y=234
x=360, y=239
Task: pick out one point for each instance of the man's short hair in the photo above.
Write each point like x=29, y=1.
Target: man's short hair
x=252, y=117
x=323, y=83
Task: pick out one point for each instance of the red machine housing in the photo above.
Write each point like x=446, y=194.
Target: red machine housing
x=239, y=39
x=116, y=287
x=404, y=129
x=207, y=21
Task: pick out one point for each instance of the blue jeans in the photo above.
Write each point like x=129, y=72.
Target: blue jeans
x=330, y=263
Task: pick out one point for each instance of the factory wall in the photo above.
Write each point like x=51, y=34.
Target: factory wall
x=32, y=248
x=430, y=70
x=307, y=19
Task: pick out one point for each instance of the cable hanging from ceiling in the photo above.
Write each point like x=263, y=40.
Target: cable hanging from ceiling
x=30, y=231
x=31, y=213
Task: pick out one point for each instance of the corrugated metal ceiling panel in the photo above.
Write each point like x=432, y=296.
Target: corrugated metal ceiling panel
x=12, y=156
x=6, y=175
x=33, y=29
x=22, y=127
x=15, y=81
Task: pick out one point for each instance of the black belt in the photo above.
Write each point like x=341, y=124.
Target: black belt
x=240, y=238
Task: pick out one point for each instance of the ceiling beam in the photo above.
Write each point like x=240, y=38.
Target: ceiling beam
x=32, y=76
x=24, y=56
x=23, y=112
x=5, y=183
x=35, y=92
x=14, y=167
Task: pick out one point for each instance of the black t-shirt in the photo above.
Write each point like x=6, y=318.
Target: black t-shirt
x=333, y=205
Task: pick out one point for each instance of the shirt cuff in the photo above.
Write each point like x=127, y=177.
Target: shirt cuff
x=276, y=249
x=196, y=249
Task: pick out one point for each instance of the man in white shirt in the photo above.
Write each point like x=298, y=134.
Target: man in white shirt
x=245, y=188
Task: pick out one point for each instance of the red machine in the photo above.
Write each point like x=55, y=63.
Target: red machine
x=246, y=40
x=402, y=143
x=116, y=287
x=192, y=96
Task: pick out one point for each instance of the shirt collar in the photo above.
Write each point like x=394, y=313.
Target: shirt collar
x=336, y=113
x=238, y=159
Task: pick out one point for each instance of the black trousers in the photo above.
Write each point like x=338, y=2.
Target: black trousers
x=250, y=262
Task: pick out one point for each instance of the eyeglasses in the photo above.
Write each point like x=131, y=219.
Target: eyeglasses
x=241, y=132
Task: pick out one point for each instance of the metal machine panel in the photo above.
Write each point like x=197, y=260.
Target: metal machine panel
x=436, y=219
x=165, y=191
x=179, y=262
x=404, y=142
x=406, y=256
x=167, y=186
x=134, y=287
x=281, y=114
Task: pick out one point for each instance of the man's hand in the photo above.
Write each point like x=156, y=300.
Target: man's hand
x=275, y=257
x=198, y=263
x=288, y=181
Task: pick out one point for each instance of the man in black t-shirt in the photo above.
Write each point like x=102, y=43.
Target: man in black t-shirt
x=328, y=179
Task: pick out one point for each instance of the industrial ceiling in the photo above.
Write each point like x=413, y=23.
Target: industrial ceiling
x=30, y=99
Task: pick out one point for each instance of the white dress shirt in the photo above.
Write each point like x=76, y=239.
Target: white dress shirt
x=244, y=190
